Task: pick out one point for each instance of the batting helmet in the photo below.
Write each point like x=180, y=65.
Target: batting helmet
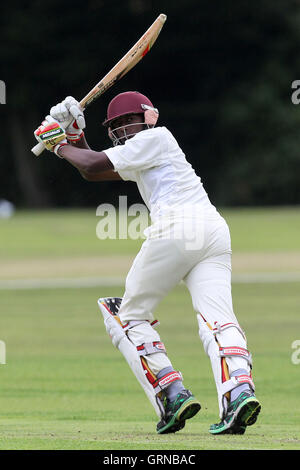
x=130, y=102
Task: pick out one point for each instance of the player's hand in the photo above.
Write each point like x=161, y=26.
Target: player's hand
x=70, y=115
x=51, y=134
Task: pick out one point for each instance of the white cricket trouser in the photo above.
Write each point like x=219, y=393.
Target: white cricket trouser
x=162, y=263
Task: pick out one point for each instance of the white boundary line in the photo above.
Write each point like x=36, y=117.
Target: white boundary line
x=88, y=282
x=60, y=283
x=260, y=278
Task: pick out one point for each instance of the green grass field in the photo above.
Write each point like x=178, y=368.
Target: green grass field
x=65, y=386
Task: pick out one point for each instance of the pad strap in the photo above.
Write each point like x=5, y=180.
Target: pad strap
x=164, y=382
x=151, y=348
x=133, y=323
x=236, y=351
x=235, y=382
x=219, y=328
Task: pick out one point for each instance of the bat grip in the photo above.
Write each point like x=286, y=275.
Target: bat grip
x=38, y=149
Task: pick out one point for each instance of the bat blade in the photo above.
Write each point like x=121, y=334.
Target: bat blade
x=133, y=56
x=128, y=61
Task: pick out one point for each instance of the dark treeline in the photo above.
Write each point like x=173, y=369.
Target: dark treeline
x=221, y=74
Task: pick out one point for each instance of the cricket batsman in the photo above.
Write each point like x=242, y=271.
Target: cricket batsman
x=188, y=240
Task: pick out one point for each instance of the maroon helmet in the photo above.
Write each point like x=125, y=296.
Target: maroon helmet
x=129, y=102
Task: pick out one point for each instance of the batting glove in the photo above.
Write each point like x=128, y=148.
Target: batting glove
x=70, y=116
x=51, y=134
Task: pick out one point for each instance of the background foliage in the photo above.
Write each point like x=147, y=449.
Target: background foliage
x=220, y=73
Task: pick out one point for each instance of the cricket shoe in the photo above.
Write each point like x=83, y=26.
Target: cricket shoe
x=185, y=406
x=241, y=413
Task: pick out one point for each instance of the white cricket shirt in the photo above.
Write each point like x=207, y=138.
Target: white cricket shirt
x=165, y=179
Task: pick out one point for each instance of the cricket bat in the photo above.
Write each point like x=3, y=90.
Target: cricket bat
x=133, y=56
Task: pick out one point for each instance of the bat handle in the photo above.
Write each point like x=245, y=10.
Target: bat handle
x=38, y=149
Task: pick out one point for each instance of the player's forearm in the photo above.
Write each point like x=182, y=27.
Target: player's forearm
x=85, y=160
x=109, y=175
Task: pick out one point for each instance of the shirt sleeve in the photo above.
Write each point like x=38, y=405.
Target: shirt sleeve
x=144, y=150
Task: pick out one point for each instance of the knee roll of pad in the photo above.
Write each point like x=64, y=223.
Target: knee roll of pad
x=136, y=355
x=220, y=355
